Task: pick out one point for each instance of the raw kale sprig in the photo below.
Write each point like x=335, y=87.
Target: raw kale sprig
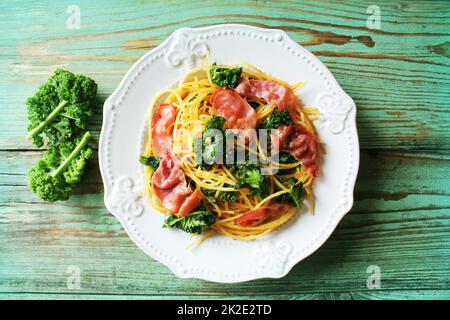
x=55, y=175
x=61, y=108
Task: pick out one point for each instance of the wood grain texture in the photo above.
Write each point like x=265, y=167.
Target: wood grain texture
x=398, y=76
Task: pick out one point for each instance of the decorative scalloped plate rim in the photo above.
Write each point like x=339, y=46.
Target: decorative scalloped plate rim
x=274, y=256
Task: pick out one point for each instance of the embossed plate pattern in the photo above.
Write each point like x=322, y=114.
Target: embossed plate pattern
x=219, y=258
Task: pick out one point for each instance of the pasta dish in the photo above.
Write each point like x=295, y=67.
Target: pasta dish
x=231, y=150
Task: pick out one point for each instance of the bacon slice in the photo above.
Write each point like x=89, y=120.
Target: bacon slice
x=169, y=173
x=238, y=113
x=191, y=203
x=162, y=127
x=270, y=91
x=301, y=143
x=260, y=215
x=169, y=184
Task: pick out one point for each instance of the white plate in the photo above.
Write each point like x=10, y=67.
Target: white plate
x=220, y=258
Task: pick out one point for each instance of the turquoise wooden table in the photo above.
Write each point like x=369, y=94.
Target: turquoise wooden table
x=393, y=60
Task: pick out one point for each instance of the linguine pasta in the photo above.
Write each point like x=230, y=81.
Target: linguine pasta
x=191, y=97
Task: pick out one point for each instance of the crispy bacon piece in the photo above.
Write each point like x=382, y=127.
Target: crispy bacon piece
x=301, y=143
x=238, y=113
x=270, y=91
x=260, y=215
x=169, y=184
x=162, y=127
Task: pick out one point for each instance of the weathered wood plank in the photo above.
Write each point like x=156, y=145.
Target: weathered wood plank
x=398, y=75
x=401, y=226
x=378, y=295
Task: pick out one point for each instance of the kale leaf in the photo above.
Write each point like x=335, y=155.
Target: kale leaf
x=54, y=176
x=194, y=223
x=212, y=144
x=249, y=175
x=151, y=161
x=295, y=195
x=61, y=108
x=276, y=120
x=230, y=196
x=225, y=77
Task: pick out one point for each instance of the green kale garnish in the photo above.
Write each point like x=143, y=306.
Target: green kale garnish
x=286, y=158
x=215, y=122
x=194, y=223
x=249, y=175
x=212, y=144
x=210, y=194
x=295, y=195
x=225, y=77
x=230, y=196
x=276, y=120
x=151, y=161
x=223, y=195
